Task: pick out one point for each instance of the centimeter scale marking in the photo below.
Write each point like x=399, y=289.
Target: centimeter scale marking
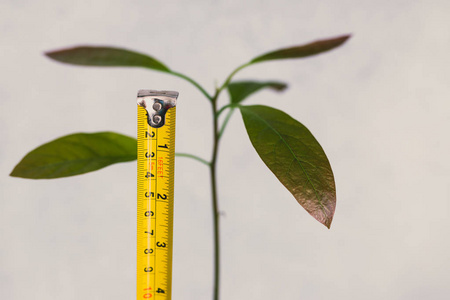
x=155, y=186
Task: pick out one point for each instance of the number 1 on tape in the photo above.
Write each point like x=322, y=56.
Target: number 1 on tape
x=155, y=180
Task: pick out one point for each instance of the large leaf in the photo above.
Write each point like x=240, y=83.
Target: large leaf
x=303, y=50
x=106, y=57
x=239, y=90
x=76, y=154
x=295, y=157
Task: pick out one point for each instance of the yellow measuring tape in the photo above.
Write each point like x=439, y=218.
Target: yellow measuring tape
x=155, y=180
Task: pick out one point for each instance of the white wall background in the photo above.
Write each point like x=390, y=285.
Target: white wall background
x=378, y=105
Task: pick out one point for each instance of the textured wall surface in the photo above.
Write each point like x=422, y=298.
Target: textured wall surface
x=379, y=106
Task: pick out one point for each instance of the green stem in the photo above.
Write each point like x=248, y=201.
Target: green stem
x=197, y=85
x=204, y=161
x=225, y=107
x=215, y=200
x=215, y=207
x=225, y=122
x=227, y=81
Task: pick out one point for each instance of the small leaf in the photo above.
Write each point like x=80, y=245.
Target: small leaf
x=76, y=154
x=106, y=57
x=295, y=157
x=239, y=90
x=303, y=50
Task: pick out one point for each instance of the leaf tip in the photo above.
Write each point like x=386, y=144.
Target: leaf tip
x=54, y=54
x=48, y=53
x=344, y=37
x=60, y=53
x=14, y=172
x=282, y=87
x=326, y=215
x=323, y=218
x=17, y=174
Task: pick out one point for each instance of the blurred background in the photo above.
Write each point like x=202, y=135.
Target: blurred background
x=379, y=106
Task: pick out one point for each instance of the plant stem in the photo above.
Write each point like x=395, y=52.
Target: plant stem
x=212, y=165
x=224, y=108
x=215, y=208
x=197, y=85
x=225, y=122
x=193, y=157
x=227, y=81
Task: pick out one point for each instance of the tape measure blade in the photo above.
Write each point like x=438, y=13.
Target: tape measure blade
x=156, y=157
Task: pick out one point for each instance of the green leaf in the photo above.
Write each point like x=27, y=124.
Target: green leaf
x=106, y=57
x=239, y=90
x=295, y=157
x=76, y=154
x=303, y=50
